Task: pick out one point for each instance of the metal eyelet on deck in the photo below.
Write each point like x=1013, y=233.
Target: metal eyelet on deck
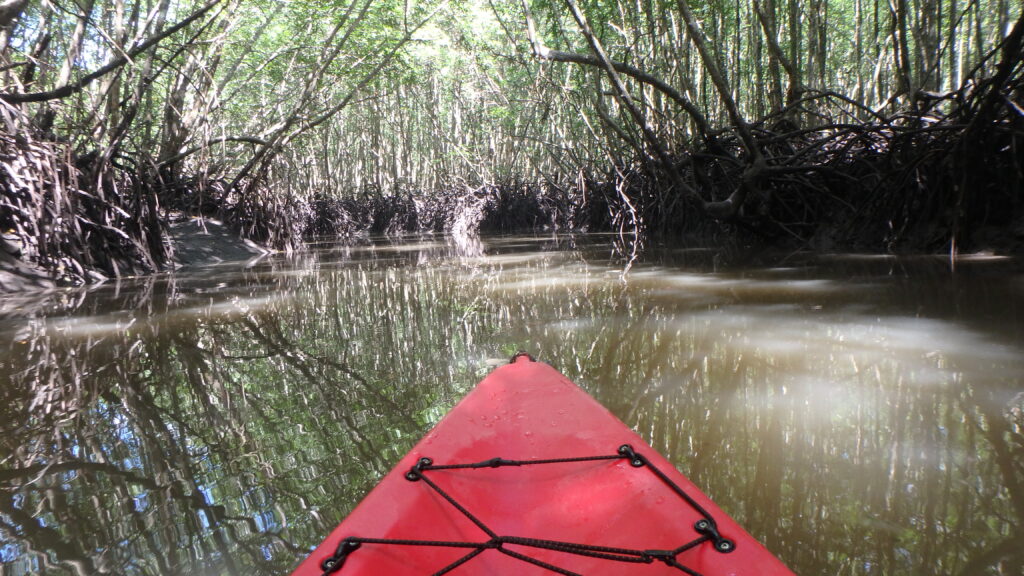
x=635, y=460
x=416, y=472
x=706, y=527
x=725, y=546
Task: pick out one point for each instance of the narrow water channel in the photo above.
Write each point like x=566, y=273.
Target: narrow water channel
x=859, y=415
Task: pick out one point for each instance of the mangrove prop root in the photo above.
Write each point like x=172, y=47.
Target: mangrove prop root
x=76, y=218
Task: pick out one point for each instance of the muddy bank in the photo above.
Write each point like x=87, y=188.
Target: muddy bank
x=16, y=276
x=194, y=242
x=203, y=241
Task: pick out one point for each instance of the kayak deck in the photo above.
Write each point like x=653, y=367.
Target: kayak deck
x=529, y=475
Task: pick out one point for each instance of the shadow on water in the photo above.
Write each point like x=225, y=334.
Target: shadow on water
x=860, y=416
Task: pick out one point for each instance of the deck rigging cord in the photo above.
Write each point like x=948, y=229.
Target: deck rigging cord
x=706, y=528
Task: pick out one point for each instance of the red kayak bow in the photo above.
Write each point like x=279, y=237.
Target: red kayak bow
x=528, y=475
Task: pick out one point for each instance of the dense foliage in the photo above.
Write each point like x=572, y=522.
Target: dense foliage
x=290, y=118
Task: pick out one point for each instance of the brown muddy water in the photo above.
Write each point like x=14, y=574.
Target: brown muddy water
x=859, y=415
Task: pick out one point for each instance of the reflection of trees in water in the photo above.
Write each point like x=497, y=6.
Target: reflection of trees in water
x=196, y=442
x=897, y=474
x=229, y=428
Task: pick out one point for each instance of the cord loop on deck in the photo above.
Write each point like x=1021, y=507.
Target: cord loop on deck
x=708, y=528
x=333, y=563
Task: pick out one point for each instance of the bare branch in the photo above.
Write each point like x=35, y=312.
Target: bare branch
x=698, y=117
x=78, y=85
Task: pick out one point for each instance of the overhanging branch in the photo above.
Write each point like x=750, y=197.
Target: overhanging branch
x=74, y=87
x=701, y=122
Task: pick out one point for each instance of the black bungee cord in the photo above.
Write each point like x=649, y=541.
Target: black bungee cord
x=706, y=527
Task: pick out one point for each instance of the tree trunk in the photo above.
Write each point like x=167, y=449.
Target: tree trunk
x=541, y=51
x=756, y=165
x=795, y=38
x=927, y=44
x=901, y=50
x=776, y=56
x=75, y=44
x=180, y=119
x=627, y=102
x=10, y=10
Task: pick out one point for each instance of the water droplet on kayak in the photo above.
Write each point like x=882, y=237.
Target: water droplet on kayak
x=528, y=433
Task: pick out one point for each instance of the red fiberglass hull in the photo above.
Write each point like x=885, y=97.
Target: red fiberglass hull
x=512, y=514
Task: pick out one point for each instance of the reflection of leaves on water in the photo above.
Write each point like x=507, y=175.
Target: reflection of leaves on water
x=241, y=417
x=200, y=413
